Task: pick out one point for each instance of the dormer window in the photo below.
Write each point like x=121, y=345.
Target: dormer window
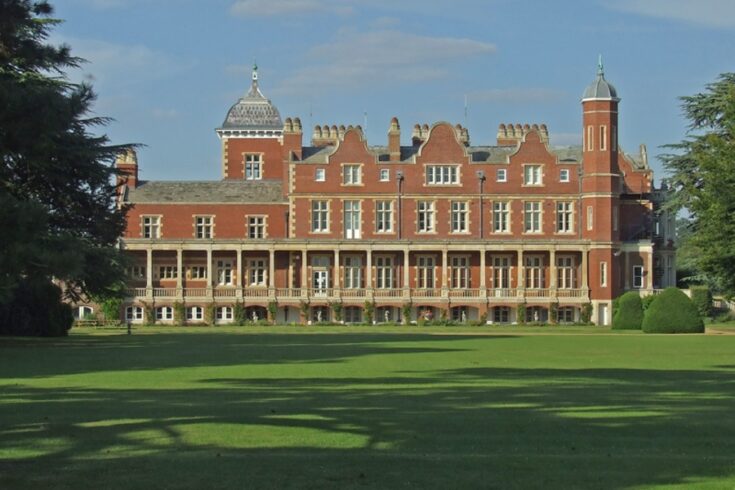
x=532, y=175
x=253, y=166
x=320, y=175
x=564, y=175
x=351, y=174
x=442, y=174
x=501, y=175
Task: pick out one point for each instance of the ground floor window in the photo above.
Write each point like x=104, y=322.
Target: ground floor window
x=134, y=314
x=164, y=313
x=352, y=314
x=194, y=313
x=83, y=312
x=565, y=314
x=501, y=314
x=537, y=314
x=224, y=313
x=459, y=314
x=320, y=314
x=256, y=313
x=425, y=312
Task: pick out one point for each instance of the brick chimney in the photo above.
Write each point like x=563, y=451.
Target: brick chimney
x=394, y=140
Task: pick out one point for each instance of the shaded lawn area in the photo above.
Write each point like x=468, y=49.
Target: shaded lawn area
x=281, y=408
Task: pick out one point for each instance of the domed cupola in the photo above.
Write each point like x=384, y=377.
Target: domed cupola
x=253, y=115
x=600, y=89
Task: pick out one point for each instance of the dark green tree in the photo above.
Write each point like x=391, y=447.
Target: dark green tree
x=702, y=169
x=57, y=178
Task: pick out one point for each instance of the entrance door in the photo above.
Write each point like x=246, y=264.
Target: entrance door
x=320, y=282
x=352, y=219
x=602, y=314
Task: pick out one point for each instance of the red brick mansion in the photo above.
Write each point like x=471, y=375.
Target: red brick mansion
x=438, y=227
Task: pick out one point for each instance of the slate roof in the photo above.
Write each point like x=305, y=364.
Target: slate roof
x=223, y=191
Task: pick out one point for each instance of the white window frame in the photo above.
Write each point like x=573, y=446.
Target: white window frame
x=533, y=175
x=168, y=272
x=535, y=272
x=564, y=175
x=195, y=313
x=459, y=217
x=460, y=275
x=320, y=174
x=352, y=174
x=134, y=314
x=253, y=166
x=426, y=216
x=164, y=313
x=501, y=175
x=638, y=277
x=442, y=175
x=223, y=314
x=383, y=216
x=319, y=216
x=603, y=274
x=225, y=276
x=151, y=226
x=384, y=272
x=203, y=227
x=352, y=272
x=426, y=271
x=590, y=218
x=603, y=138
x=501, y=216
x=590, y=142
x=384, y=175
x=257, y=226
x=197, y=272
x=533, y=217
x=257, y=272
x=565, y=217
x=566, y=277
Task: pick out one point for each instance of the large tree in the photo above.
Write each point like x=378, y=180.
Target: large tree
x=57, y=177
x=702, y=168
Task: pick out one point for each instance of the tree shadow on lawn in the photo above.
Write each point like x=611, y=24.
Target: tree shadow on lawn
x=34, y=358
x=452, y=428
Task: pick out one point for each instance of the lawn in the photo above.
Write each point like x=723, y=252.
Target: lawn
x=403, y=407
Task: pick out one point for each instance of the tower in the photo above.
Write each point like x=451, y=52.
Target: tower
x=251, y=137
x=600, y=190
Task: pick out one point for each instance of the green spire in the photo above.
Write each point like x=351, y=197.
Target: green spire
x=600, y=70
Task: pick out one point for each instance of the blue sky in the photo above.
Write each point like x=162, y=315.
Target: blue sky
x=167, y=71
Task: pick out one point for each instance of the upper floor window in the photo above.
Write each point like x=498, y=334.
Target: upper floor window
x=532, y=175
x=351, y=174
x=151, y=227
x=320, y=175
x=383, y=216
x=603, y=138
x=319, y=216
x=253, y=166
x=197, y=272
x=384, y=174
x=532, y=217
x=257, y=272
x=501, y=217
x=442, y=174
x=425, y=216
x=564, y=175
x=459, y=217
x=501, y=175
x=603, y=274
x=224, y=273
x=564, y=217
x=589, y=142
x=168, y=272
x=203, y=226
x=256, y=227
x=137, y=272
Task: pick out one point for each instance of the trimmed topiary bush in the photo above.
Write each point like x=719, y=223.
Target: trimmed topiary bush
x=629, y=313
x=702, y=299
x=672, y=312
x=647, y=301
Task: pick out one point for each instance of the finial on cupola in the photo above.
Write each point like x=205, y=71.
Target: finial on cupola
x=600, y=69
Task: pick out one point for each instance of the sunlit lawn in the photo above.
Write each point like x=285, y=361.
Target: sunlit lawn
x=402, y=407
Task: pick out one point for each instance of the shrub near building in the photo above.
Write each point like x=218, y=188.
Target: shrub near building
x=629, y=312
x=672, y=312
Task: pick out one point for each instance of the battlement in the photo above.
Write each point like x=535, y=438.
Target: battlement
x=328, y=136
x=511, y=134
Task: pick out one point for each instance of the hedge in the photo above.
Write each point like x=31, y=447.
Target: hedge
x=702, y=299
x=629, y=312
x=672, y=312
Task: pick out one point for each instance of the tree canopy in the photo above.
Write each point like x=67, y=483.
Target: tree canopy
x=702, y=169
x=57, y=177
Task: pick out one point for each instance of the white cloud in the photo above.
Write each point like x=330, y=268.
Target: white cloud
x=516, y=95
x=121, y=64
x=357, y=59
x=713, y=13
x=260, y=8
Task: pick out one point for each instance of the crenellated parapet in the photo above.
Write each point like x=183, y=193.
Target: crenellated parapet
x=510, y=134
x=330, y=135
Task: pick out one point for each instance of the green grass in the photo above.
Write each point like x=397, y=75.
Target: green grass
x=336, y=407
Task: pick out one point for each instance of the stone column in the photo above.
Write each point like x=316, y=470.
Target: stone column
x=179, y=273
x=210, y=272
x=520, y=284
x=272, y=268
x=483, y=266
x=369, y=270
x=552, y=270
x=336, y=272
x=304, y=281
x=149, y=272
x=650, y=270
x=585, y=271
x=445, y=269
x=406, y=275
x=239, y=275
